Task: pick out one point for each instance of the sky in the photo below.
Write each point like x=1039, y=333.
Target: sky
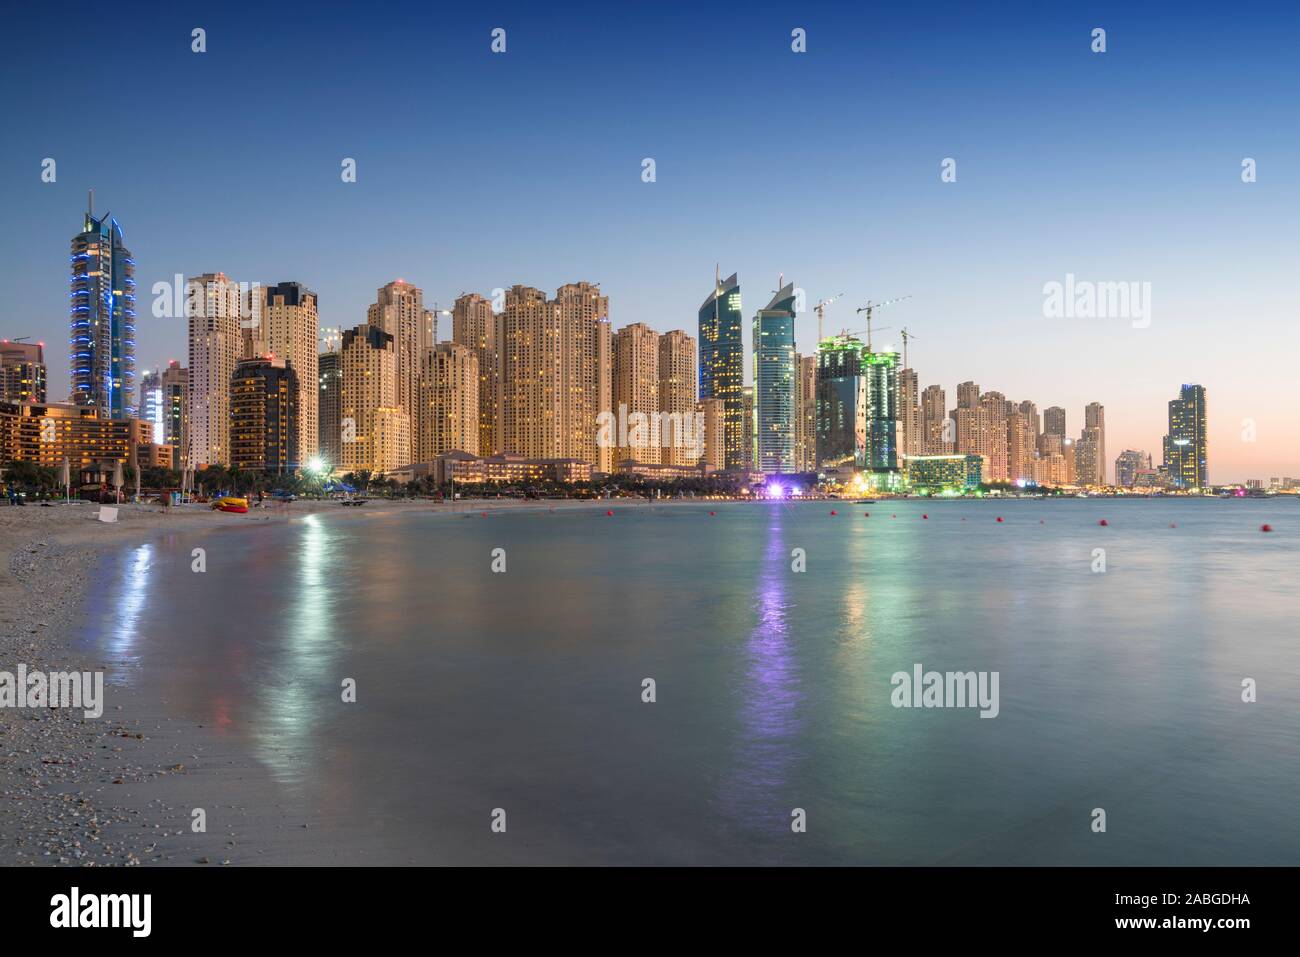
x=478, y=170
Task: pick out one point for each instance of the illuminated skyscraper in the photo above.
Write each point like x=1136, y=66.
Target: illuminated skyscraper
x=715, y=416
x=448, y=406
x=1054, y=421
x=805, y=429
x=636, y=392
x=841, y=404
x=214, y=307
x=375, y=430
x=722, y=363
x=677, y=384
x=586, y=370
x=474, y=326
x=102, y=315
x=1128, y=464
x=399, y=310
x=264, y=415
x=151, y=405
x=176, y=412
x=1186, y=447
x=935, y=424
x=774, y=383
x=531, y=361
x=910, y=440
x=22, y=371
x=328, y=418
x=881, y=373
x=1094, y=417
x=290, y=327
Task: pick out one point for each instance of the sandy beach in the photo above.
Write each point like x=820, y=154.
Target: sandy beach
x=120, y=789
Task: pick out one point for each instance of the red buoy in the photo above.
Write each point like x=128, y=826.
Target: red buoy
x=484, y=514
x=609, y=513
x=713, y=513
x=999, y=518
x=1266, y=528
x=833, y=512
x=1103, y=522
x=1173, y=525
x=866, y=514
x=925, y=516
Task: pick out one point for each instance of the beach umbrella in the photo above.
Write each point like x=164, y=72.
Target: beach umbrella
x=65, y=478
x=117, y=478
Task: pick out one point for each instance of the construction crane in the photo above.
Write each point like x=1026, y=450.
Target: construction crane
x=906, y=336
x=877, y=305
x=821, y=316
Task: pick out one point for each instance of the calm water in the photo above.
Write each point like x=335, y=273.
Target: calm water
x=522, y=690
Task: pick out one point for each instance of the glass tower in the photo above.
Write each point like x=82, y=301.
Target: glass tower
x=882, y=410
x=101, y=344
x=1186, y=445
x=841, y=404
x=774, y=383
x=722, y=364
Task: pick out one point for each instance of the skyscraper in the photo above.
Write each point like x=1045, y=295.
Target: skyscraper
x=375, y=430
x=151, y=405
x=102, y=316
x=909, y=413
x=473, y=325
x=586, y=367
x=995, y=404
x=841, y=403
x=176, y=412
x=1186, y=447
x=774, y=383
x=1128, y=464
x=213, y=309
x=881, y=369
x=264, y=415
x=805, y=412
x=1094, y=417
x=1054, y=421
x=715, y=417
x=290, y=328
x=968, y=396
x=1088, y=467
x=448, y=402
x=934, y=421
x=1022, y=447
x=329, y=422
x=677, y=384
x=636, y=393
x=399, y=310
x=531, y=360
x=722, y=363
x=22, y=371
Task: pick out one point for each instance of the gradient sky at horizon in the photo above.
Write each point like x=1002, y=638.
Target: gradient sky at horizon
x=478, y=171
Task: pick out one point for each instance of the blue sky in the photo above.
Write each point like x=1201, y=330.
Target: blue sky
x=478, y=170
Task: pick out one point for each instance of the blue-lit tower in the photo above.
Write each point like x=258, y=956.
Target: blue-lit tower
x=102, y=314
x=774, y=382
x=722, y=364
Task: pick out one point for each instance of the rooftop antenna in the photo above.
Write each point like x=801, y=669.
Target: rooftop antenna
x=90, y=202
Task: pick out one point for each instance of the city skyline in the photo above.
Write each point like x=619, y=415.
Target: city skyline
x=1035, y=200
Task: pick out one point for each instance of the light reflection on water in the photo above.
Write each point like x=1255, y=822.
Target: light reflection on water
x=476, y=690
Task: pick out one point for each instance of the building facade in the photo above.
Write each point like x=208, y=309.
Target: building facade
x=774, y=384
x=264, y=415
x=1186, y=446
x=448, y=402
x=102, y=318
x=214, y=307
x=722, y=364
x=290, y=326
x=22, y=372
